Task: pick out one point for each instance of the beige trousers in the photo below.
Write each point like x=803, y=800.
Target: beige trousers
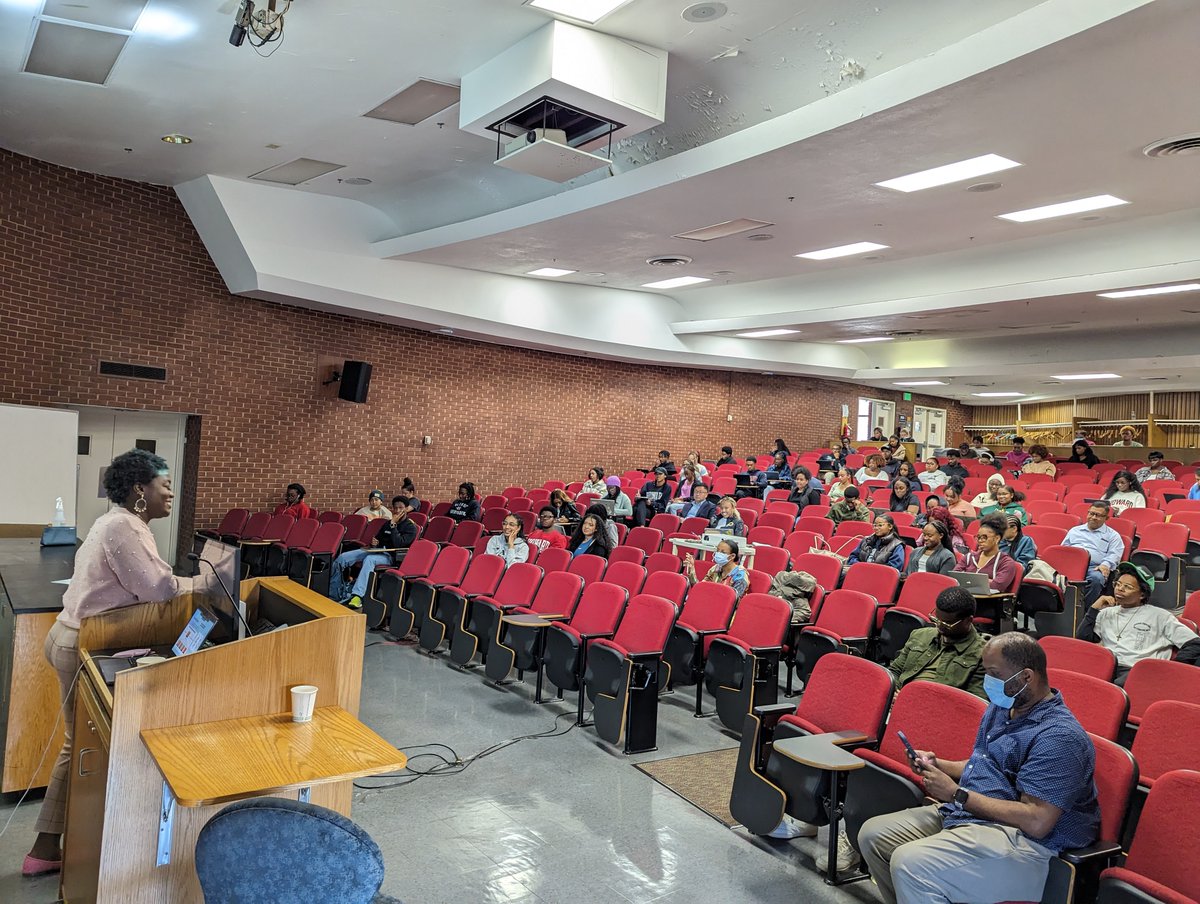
x=62, y=652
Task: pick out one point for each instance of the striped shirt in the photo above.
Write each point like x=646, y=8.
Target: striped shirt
x=1045, y=754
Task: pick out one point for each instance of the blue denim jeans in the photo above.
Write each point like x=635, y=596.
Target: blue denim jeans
x=369, y=559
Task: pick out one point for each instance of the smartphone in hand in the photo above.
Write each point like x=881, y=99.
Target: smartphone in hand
x=913, y=759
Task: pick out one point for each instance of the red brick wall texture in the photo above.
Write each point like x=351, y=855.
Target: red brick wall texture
x=95, y=268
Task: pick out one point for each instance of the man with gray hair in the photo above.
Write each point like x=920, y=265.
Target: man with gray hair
x=1026, y=793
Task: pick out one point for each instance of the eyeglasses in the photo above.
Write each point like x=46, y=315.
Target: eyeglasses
x=938, y=623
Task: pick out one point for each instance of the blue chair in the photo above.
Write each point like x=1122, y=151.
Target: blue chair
x=287, y=852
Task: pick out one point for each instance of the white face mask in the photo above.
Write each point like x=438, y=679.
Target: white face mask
x=720, y=559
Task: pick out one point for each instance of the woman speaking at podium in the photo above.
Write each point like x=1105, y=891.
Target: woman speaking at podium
x=117, y=565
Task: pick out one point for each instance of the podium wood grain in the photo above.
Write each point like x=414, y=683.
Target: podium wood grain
x=266, y=755
x=36, y=728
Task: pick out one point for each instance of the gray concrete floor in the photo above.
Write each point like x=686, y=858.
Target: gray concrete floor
x=562, y=819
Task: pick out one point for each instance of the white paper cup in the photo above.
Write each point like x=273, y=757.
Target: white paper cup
x=150, y=660
x=304, y=700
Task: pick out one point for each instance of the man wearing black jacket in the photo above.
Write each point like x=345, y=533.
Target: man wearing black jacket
x=953, y=466
x=396, y=535
x=653, y=498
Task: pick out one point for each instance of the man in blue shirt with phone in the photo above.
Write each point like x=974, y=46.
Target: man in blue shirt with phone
x=1026, y=793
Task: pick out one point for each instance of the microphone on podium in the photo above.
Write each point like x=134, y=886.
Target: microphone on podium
x=237, y=609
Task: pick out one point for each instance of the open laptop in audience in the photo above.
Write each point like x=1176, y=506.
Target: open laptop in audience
x=609, y=504
x=972, y=582
x=194, y=634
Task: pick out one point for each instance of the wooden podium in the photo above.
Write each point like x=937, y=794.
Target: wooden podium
x=117, y=792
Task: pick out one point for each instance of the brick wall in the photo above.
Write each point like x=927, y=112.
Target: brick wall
x=97, y=268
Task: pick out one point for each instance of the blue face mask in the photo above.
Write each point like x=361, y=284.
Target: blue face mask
x=720, y=559
x=994, y=688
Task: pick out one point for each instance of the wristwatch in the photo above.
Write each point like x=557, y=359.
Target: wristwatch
x=960, y=797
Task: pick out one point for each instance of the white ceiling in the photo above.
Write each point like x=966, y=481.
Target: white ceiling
x=768, y=117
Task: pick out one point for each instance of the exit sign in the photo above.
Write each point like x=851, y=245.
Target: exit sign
x=908, y=396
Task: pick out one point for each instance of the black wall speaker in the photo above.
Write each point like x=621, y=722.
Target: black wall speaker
x=356, y=379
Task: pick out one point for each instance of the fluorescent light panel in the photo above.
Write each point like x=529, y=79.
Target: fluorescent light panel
x=1065, y=209
x=550, y=272
x=1086, y=377
x=589, y=11
x=842, y=251
x=722, y=230
x=677, y=283
x=922, y=383
x=865, y=339
x=1156, y=290
x=765, y=334
x=951, y=172
x=998, y=395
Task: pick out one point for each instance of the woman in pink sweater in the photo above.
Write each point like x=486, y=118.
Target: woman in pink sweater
x=117, y=565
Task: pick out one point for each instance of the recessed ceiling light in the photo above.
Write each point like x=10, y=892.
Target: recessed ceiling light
x=1066, y=208
x=356, y=180
x=176, y=138
x=998, y=395
x=765, y=334
x=865, y=339
x=922, y=383
x=589, y=11
x=951, y=172
x=842, y=251
x=677, y=283
x=551, y=272
x=1086, y=376
x=1155, y=290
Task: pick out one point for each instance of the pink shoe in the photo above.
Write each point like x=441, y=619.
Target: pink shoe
x=35, y=867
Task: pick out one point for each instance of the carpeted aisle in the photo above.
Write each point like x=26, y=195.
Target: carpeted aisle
x=704, y=780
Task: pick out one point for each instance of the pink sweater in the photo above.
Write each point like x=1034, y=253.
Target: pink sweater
x=118, y=565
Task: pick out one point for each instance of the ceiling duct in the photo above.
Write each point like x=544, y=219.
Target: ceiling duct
x=560, y=97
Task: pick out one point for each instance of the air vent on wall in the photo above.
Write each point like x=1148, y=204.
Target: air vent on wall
x=132, y=371
x=1180, y=145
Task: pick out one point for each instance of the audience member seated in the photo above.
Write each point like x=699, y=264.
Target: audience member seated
x=1081, y=435
x=780, y=469
x=877, y=436
x=803, y=492
x=589, y=539
x=883, y=547
x=1127, y=439
x=1194, y=489
x=898, y=451
x=1001, y=569
x=726, y=568
x=932, y=477
x=890, y=464
x=987, y=458
x=950, y=652
x=1008, y=502
x=829, y=462
x=293, y=502
x=375, y=507
x=688, y=481
x=699, y=506
x=1125, y=623
x=546, y=533
x=664, y=462
x=594, y=482
x=958, y=541
x=955, y=504
x=954, y=466
x=965, y=451
x=849, y=508
x=398, y=533
x=1154, y=470
x=1081, y=453
x=988, y=497
x=1014, y=542
x=726, y=456
x=408, y=493
x=1124, y=492
x=1104, y=546
x=622, y=506
x=935, y=552
x=652, y=499
x=727, y=519
x=1026, y=793
x=872, y=469
x=978, y=447
x=693, y=458
x=1017, y=456
x=510, y=544
x=902, y=498
x=565, y=512
x=846, y=479
x=908, y=471
x=466, y=506
x=610, y=527
x=780, y=446
x=757, y=482
x=1038, y=463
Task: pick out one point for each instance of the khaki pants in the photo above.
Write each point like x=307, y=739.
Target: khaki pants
x=913, y=859
x=62, y=652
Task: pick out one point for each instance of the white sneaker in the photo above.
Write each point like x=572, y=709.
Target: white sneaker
x=847, y=857
x=790, y=828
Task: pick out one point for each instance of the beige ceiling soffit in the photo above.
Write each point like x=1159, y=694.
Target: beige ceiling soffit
x=416, y=103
